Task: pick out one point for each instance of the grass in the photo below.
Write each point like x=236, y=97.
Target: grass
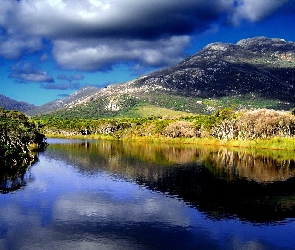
x=151, y=110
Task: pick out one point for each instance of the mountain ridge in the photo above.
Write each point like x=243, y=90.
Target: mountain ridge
x=64, y=102
x=11, y=104
x=254, y=72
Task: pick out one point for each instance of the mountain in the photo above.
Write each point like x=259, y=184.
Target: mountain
x=65, y=102
x=10, y=104
x=255, y=72
x=259, y=65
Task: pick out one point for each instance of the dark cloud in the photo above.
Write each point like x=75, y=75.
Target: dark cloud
x=145, y=19
x=26, y=72
x=94, y=35
x=61, y=86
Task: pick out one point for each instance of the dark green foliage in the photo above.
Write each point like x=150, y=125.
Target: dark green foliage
x=17, y=133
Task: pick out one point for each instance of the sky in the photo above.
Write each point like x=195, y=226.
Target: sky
x=51, y=48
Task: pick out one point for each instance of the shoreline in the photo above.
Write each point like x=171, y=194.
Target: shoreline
x=277, y=143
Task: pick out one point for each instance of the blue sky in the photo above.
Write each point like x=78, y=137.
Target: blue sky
x=51, y=48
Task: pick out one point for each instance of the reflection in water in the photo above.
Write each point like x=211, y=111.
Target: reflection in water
x=218, y=181
x=258, y=167
x=119, y=195
x=14, y=175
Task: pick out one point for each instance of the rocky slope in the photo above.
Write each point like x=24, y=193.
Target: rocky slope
x=68, y=101
x=219, y=75
x=258, y=65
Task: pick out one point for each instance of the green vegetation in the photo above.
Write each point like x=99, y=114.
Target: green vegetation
x=18, y=135
x=255, y=128
x=163, y=104
x=122, y=106
x=151, y=110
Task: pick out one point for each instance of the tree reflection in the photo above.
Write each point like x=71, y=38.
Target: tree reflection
x=15, y=174
x=254, y=186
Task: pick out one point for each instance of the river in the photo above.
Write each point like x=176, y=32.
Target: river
x=84, y=194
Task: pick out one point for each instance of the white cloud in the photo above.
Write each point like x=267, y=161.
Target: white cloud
x=256, y=10
x=26, y=72
x=12, y=47
x=101, y=54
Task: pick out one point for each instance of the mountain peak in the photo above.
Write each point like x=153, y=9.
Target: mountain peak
x=218, y=46
x=265, y=43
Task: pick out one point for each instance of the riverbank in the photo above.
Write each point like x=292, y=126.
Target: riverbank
x=272, y=143
x=18, y=139
x=266, y=129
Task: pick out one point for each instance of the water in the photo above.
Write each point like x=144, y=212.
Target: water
x=119, y=195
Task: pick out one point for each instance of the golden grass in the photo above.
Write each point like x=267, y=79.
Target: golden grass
x=273, y=144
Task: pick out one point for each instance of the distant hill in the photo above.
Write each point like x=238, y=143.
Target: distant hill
x=254, y=73
x=10, y=104
x=65, y=102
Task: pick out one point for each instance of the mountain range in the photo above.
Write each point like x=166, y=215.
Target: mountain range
x=253, y=73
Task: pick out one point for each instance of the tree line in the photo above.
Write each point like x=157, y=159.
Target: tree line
x=224, y=124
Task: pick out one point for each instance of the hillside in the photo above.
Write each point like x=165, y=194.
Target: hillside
x=254, y=73
x=62, y=103
x=10, y=104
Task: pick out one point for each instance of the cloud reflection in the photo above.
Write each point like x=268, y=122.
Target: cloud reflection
x=65, y=208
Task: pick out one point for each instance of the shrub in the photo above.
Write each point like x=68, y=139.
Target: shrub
x=256, y=124
x=266, y=123
x=180, y=129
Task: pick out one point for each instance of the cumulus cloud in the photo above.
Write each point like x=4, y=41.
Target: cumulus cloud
x=101, y=54
x=26, y=72
x=14, y=46
x=96, y=34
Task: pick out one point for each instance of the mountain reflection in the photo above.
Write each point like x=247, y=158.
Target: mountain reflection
x=255, y=186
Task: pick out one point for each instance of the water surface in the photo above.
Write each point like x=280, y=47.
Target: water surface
x=122, y=195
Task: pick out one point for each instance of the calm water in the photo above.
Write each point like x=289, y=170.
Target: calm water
x=119, y=195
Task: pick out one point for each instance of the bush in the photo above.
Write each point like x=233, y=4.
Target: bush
x=265, y=123
x=180, y=129
x=256, y=124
